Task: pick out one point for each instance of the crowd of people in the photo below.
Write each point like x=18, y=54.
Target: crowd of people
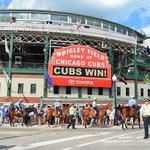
x=75, y=112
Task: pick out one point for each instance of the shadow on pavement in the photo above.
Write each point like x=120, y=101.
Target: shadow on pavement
x=3, y=147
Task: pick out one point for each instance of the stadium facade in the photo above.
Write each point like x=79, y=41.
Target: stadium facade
x=30, y=40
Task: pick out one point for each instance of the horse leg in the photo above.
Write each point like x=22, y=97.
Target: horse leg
x=84, y=122
x=139, y=122
x=10, y=121
x=49, y=121
x=91, y=122
x=100, y=122
x=122, y=123
x=133, y=122
x=22, y=122
x=62, y=122
x=56, y=120
x=125, y=123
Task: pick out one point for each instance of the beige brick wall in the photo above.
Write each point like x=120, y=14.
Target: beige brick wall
x=3, y=87
x=39, y=81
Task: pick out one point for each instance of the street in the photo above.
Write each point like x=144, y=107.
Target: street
x=57, y=138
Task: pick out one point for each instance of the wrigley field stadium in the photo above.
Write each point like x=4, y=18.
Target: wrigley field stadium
x=47, y=55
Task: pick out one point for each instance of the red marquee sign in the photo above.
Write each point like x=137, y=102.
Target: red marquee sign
x=79, y=65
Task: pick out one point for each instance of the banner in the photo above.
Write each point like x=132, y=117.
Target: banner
x=79, y=65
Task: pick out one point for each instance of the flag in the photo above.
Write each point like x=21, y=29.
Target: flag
x=123, y=79
x=6, y=46
x=146, y=80
x=48, y=78
x=135, y=36
x=148, y=50
x=7, y=77
x=79, y=25
x=13, y=20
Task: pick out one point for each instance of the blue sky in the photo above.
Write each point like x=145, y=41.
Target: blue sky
x=132, y=13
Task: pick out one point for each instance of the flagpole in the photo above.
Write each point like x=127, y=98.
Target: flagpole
x=10, y=63
x=45, y=64
x=111, y=62
x=135, y=70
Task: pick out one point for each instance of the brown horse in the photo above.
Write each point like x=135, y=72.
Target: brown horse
x=102, y=113
x=13, y=115
x=88, y=112
x=129, y=112
x=51, y=112
x=28, y=115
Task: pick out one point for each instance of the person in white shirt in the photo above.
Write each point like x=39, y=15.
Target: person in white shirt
x=94, y=103
x=20, y=105
x=57, y=105
x=145, y=116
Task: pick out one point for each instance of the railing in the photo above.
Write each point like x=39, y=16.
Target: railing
x=66, y=28
x=140, y=75
x=28, y=65
x=24, y=66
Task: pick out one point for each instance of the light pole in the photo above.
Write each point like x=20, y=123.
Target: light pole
x=114, y=79
x=41, y=101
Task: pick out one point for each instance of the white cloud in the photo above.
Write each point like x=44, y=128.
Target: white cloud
x=146, y=29
x=106, y=3
x=31, y=4
x=115, y=10
x=110, y=9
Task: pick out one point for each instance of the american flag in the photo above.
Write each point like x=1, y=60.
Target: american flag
x=13, y=20
x=48, y=78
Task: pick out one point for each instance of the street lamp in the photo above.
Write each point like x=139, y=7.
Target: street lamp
x=114, y=79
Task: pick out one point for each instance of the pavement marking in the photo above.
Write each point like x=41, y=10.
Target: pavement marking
x=34, y=145
x=116, y=141
x=109, y=138
x=101, y=140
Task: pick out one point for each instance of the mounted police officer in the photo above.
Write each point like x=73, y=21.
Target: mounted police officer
x=145, y=116
x=94, y=105
x=132, y=101
x=20, y=105
x=57, y=106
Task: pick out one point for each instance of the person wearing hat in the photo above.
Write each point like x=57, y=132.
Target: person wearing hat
x=131, y=101
x=20, y=105
x=57, y=106
x=94, y=105
x=145, y=116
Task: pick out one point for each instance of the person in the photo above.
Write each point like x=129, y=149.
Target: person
x=57, y=106
x=72, y=113
x=20, y=105
x=5, y=113
x=94, y=105
x=40, y=115
x=145, y=116
x=132, y=101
